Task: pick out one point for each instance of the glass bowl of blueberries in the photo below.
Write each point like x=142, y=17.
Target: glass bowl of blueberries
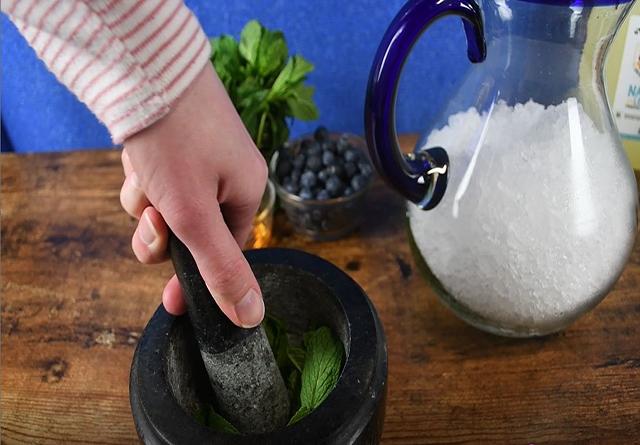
x=322, y=180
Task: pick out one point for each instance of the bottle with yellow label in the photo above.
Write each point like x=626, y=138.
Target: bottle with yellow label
x=623, y=83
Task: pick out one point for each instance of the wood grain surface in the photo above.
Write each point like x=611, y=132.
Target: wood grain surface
x=74, y=302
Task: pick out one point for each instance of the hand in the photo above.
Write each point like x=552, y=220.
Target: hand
x=198, y=172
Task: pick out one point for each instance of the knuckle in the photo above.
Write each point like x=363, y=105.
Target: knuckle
x=227, y=280
x=258, y=182
x=178, y=219
x=183, y=214
x=132, y=200
x=154, y=183
x=261, y=171
x=125, y=199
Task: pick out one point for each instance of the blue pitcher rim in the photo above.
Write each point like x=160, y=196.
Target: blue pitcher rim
x=580, y=3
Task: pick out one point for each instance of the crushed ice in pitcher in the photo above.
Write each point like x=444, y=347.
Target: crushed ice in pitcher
x=535, y=225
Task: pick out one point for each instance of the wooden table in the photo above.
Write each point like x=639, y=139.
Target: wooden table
x=74, y=302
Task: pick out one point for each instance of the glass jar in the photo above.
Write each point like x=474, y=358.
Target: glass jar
x=531, y=202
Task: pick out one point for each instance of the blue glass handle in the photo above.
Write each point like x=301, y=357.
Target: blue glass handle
x=422, y=177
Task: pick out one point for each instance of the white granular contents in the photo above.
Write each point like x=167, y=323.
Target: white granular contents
x=538, y=219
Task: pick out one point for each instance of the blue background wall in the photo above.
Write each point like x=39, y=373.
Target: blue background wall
x=339, y=37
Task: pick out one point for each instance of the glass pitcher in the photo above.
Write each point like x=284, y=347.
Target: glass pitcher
x=522, y=203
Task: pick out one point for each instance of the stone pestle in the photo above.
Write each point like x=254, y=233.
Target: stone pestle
x=244, y=376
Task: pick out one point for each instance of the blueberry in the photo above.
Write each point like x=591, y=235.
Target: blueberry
x=358, y=182
x=295, y=175
x=334, y=186
x=314, y=163
x=328, y=158
x=328, y=146
x=336, y=170
x=306, y=144
x=343, y=144
x=351, y=155
x=321, y=134
x=348, y=191
x=323, y=175
x=316, y=150
x=365, y=168
x=350, y=169
x=305, y=193
x=311, y=147
x=300, y=160
x=283, y=169
x=322, y=195
x=284, y=155
x=291, y=188
x=308, y=179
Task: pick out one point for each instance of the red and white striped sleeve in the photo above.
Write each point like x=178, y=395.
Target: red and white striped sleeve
x=128, y=60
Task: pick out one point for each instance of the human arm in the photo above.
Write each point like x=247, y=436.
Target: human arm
x=134, y=63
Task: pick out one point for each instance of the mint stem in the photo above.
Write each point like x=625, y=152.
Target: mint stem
x=263, y=120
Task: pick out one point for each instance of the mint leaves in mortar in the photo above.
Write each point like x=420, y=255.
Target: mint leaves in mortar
x=209, y=417
x=310, y=371
x=322, y=365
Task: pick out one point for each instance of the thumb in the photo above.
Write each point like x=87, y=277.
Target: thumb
x=220, y=261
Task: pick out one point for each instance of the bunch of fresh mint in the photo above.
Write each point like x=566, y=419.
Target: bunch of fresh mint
x=264, y=83
x=310, y=372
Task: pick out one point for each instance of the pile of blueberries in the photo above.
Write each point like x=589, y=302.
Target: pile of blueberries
x=321, y=168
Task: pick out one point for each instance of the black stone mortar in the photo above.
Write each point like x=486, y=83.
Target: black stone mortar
x=168, y=382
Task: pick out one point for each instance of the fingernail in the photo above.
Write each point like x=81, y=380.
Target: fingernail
x=250, y=310
x=146, y=231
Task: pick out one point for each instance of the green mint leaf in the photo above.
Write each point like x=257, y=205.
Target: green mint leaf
x=253, y=100
x=272, y=52
x=322, y=364
x=293, y=389
x=281, y=83
x=207, y=416
x=250, y=41
x=277, y=337
x=270, y=330
x=219, y=423
x=251, y=120
x=248, y=86
x=225, y=53
x=296, y=355
x=293, y=381
x=202, y=416
x=301, y=67
x=302, y=412
x=300, y=103
x=215, y=43
x=251, y=95
x=305, y=110
x=279, y=130
x=291, y=76
x=226, y=60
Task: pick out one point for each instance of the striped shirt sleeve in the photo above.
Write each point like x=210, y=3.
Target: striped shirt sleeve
x=127, y=60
